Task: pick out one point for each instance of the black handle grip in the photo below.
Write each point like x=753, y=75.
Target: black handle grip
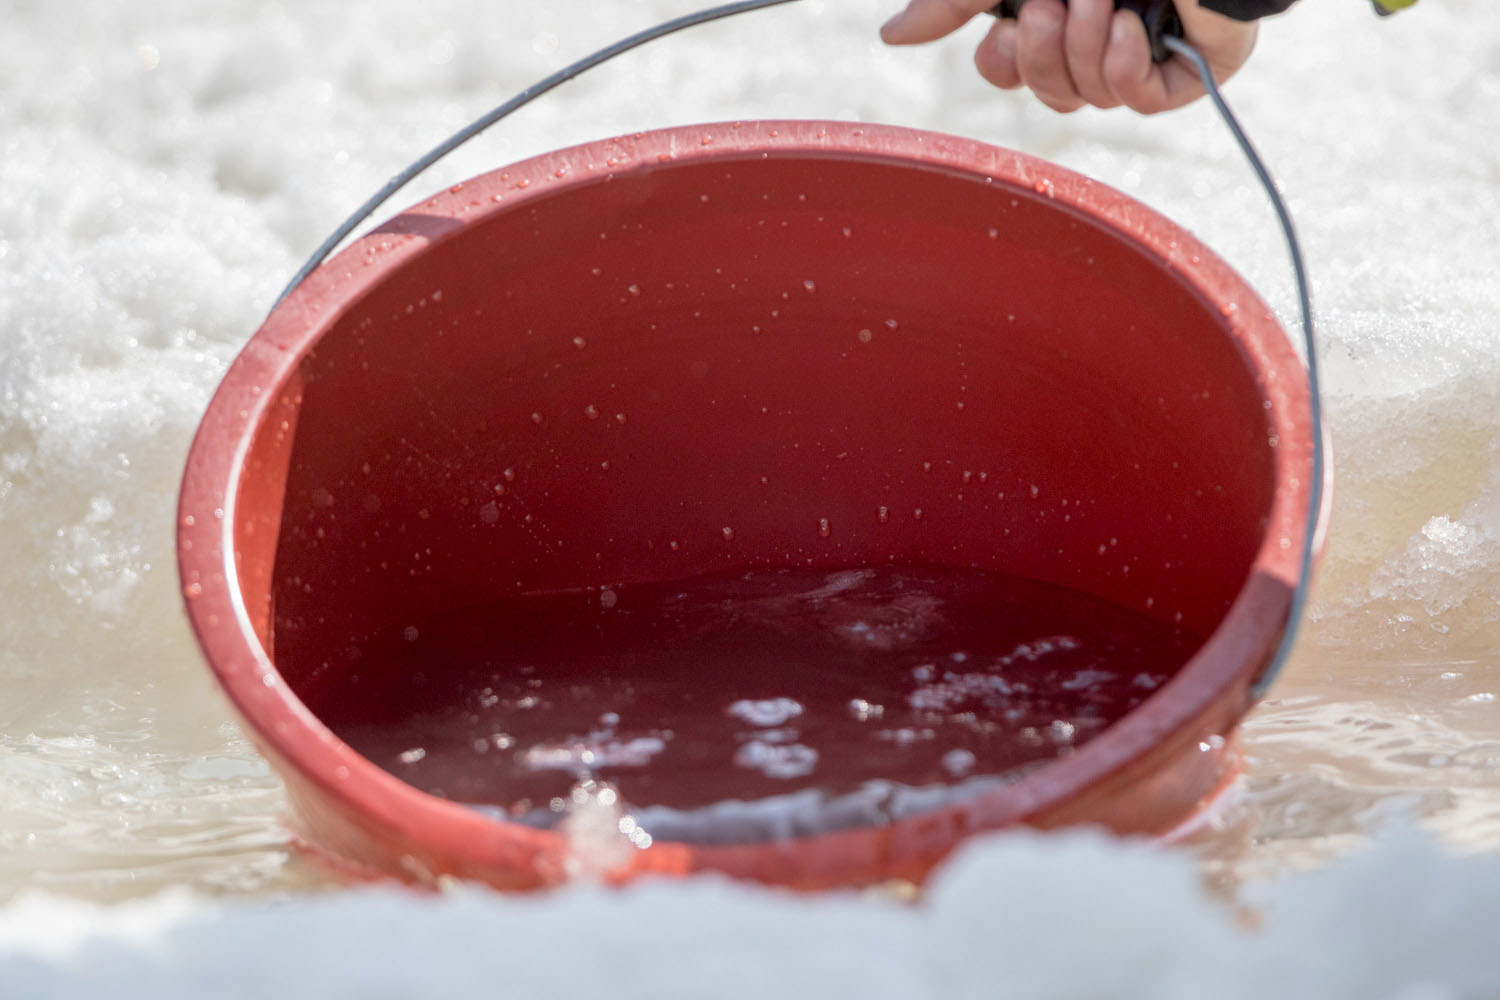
x=1159, y=16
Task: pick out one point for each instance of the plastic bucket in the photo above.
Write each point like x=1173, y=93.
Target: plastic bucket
x=747, y=346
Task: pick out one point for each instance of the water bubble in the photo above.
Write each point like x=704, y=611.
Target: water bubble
x=490, y=512
x=410, y=633
x=791, y=760
x=633, y=832
x=766, y=712
x=413, y=755
x=865, y=336
x=958, y=762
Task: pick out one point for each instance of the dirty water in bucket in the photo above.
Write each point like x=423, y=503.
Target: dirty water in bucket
x=746, y=706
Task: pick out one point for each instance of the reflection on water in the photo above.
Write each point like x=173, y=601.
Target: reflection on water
x=1351, y=743
x=106, y=817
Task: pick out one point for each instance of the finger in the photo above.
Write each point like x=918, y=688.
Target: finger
x=1143, y=85
x=1085, y=38
x=1225, y=43
x=996, y=56
x=1040, y=56
x=928, y=20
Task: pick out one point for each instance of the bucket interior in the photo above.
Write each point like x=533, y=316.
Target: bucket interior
x=758, y=367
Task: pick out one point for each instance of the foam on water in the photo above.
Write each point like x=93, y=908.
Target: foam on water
x=164, y=167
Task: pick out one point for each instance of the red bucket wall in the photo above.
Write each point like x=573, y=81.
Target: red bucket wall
x=768, y=360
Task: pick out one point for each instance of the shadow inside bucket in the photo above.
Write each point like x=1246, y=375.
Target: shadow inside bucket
x=814, y=393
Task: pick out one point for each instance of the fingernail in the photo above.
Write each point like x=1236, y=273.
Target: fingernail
x=1119, y=28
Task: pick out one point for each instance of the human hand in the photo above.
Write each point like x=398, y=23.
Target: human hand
x=1085, y=52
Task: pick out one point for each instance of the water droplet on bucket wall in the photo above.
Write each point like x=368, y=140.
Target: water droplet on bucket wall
x=823, y=527
x=410, y=633
x=591, y=411
x=865, y=336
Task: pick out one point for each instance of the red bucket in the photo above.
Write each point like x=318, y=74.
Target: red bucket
x=727, y=351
